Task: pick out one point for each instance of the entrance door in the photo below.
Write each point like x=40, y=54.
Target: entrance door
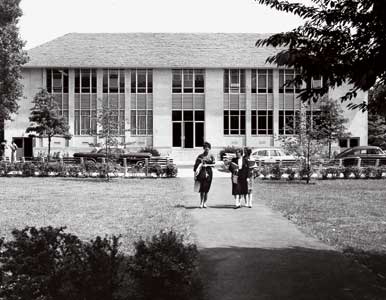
x=24, y=147
x=188, y=134
x=188, y=128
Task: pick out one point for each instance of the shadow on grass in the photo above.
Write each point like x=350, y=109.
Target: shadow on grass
x=290, y=273
x=280, y=181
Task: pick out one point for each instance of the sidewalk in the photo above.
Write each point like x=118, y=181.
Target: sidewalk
x=255, y=253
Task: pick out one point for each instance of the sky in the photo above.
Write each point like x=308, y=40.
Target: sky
x=44, y=20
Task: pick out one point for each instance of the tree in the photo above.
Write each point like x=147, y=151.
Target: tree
x=304, y=143
x=45, y=118
x=12, y=57
x=330, y=123
x=108, y=129
x=341, y=40
x=377, y=116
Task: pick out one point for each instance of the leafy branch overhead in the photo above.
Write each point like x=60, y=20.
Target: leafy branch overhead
x=342, y=41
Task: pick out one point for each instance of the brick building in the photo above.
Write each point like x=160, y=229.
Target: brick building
x=171, y=91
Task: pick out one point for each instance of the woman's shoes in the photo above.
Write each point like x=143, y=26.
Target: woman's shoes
x=237, y=206
x=204, y=206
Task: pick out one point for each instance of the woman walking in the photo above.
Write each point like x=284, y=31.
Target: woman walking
x=251, y=164
x=239, y=169
x=203, y=173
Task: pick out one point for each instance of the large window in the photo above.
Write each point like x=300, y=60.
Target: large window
x=234, y=122
x=286, y=84
x=141, y=115
x=142, y=122
x=234, y=81
x=85, y=81
x=57, y=85
x=114, y=97
x=188, y=81
x=142, y=81
x=85, y=121
x=113, y=81
x=262, y=122
x=262, y=81
x=288, y=121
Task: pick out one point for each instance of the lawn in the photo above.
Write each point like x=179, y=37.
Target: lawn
x=342, y=213
x=132, y=208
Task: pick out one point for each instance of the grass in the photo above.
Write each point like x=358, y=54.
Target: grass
x=89, y=207
x=342, y=213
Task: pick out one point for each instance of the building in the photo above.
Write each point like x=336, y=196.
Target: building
x=170, y=91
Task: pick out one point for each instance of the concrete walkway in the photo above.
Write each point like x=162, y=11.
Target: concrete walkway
x=255, y=253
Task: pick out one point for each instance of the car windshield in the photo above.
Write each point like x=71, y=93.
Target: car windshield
x=113, y=150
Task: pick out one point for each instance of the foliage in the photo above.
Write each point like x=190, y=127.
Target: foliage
x=227, y=149
x=151, y=150
x=377, y=116
x=330, y=124
x=165, y=268
x=109, y=130
x=171, y=170
x=45, y=118
x=342, y=41
x=12, y=57
x=47, y=263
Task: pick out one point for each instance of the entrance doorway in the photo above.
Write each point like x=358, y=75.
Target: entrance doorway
x=188, y=128
x=24, y=145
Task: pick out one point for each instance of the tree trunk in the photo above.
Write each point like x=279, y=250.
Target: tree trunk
x=49, y=148
x=329, y=149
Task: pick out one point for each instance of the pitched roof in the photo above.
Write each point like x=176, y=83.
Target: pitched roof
x=151, y=50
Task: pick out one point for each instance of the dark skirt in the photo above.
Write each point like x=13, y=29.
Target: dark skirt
x=241, y=187
x=205, y=179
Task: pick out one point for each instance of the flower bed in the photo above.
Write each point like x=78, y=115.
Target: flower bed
x=88, y=169
x=275, y=172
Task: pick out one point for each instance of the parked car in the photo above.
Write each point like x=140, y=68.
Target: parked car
x=271, y=155
x=362, y=152
x=116, y=154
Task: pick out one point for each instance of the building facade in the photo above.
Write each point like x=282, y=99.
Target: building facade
x=167, y=91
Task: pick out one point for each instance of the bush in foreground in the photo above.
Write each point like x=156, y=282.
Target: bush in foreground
x=165, y=268
x=50, y=264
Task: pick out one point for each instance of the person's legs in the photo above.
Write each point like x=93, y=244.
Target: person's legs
x=201, y=199
x=237, y=201
x=250, y=197
x=205, y=199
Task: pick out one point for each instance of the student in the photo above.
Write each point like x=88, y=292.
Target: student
x=239, y=169
x=3, y=147
x=203, y=173
x=251, y=163
x=13, y=148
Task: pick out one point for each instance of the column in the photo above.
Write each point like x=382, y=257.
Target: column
x=248, y=107
x=214, y=107
x=127, y=106
x=71, y=101
x=276, y=96
x=162, y=109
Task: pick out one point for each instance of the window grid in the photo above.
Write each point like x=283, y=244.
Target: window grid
x=234, y=81
x=262, y=81
x=288, y=121
x=261, y=122
x=286, y=75
x=85, y=121
x=188, y=81
x=113, y=94
x=141, y=81
x=57, y=85
x=141, y=119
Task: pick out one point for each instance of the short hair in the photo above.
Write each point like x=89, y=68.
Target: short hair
x=247, y=151
x=206, y=144
x=239, y=150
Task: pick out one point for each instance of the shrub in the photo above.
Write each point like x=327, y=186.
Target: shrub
x=151, y=150
x=276, y=171
x=28, y=169
x=165, y=268
x=48, y=263
x=171, y=170
x=155, y=168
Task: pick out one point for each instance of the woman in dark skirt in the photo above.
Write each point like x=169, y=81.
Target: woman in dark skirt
x=240, y=170
x=203, y=173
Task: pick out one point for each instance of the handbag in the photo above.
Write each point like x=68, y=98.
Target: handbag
x=235, y=179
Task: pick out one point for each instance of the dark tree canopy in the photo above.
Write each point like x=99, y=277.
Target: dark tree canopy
x=12, y=57
x=341, y=40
